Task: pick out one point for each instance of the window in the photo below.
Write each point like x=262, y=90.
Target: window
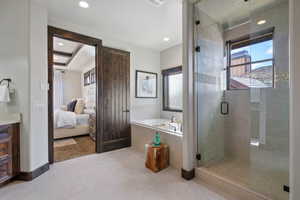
x=250, y=61
x=172, y=89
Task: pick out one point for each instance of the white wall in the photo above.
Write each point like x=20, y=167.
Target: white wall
x=169, y=58
x=189, y=136
x=14, y=63
x=24, y=59
x=72, y=86
x=295, y=99
x=38, y=87
x=141, y=59
x=146, y=60
x=88, y=91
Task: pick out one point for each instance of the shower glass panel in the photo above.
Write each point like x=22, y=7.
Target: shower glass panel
x=243, y=63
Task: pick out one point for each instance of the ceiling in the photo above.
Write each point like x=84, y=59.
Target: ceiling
x=137, y=22
x=84, y=58
x=69, y=55
x=233, y=12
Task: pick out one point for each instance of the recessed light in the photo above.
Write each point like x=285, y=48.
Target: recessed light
x=60, y=44
x=83, y=4
x=261, y=22
x=166, y=39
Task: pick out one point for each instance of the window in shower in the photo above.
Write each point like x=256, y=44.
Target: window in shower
x=172, y=89
x=251, y=61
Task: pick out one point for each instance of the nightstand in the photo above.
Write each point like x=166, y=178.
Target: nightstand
x=92, y=126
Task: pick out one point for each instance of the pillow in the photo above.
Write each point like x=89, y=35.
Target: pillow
x=79, y=106
x=71, y=106
x=64, y=108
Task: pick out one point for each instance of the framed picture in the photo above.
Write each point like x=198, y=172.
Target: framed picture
x=87, y=78
x=93, y=76
x=145, y=84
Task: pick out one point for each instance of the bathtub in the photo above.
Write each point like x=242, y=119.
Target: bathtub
x=161, y=125
x=142, y=132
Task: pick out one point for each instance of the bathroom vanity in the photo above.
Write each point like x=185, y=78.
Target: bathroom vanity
x=9, y=148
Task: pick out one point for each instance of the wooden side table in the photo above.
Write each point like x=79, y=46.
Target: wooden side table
x=157, y=157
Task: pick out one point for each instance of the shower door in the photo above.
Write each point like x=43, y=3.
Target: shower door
x=209, y=84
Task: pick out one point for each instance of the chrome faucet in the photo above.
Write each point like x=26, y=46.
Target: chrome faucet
x=173, y=119
x=174, y=127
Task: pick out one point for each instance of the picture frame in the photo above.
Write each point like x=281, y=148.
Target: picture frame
x=145, y=84
x=92, y=76
x=89, y=77
x=86, y=78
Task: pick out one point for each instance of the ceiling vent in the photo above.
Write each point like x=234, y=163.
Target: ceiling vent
x=157, y=3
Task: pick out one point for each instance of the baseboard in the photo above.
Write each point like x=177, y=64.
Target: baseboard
x=188, y=175
x=116, y=144
x=29, y=176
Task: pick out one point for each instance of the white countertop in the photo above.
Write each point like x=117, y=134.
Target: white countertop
x=9, y=118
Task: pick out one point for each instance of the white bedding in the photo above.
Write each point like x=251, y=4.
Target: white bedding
x=66, y=119
x=82, y=119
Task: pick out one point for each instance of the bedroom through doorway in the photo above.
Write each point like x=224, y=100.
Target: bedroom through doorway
x=74, y=99
x=73, y=63
x=97, y=118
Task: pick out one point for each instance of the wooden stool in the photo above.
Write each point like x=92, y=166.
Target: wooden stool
x=157, y=157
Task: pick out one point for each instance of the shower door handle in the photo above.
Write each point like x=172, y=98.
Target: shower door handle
x=224, y=108
x=126, y=111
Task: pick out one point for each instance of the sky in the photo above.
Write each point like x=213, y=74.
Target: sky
x=259, y=51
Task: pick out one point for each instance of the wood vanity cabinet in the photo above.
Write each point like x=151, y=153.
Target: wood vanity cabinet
x=9, y=152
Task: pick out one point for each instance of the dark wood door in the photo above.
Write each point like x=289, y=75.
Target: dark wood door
x=116, y=96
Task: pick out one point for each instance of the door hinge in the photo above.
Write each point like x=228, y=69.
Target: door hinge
x=197, y=22
x=286, y=188
x=197, y=49
x=198, y=156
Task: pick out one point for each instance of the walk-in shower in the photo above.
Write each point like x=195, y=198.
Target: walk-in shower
x=242, y=92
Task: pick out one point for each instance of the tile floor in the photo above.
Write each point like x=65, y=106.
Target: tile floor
x=265, y=172
x=111, y=176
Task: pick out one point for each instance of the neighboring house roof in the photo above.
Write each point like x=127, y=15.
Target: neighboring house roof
x=244, y=83
x=240, y=54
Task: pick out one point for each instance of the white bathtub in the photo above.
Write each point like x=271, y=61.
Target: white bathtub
x=144, y=131
x=162, y=125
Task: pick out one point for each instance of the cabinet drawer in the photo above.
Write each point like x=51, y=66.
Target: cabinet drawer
x=5, y=169
x=5, y=145
x=4, y=129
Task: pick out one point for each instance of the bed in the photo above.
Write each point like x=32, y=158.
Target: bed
x=70, y=124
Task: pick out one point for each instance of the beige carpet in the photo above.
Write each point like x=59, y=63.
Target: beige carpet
x=116, y=175
x=72, y=148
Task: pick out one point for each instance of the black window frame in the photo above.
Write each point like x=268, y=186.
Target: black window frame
x=253, y=38
x=165, y=85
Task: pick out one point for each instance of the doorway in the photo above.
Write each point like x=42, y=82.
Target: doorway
x=112, y=87
x=70, y=138
x=74, y=99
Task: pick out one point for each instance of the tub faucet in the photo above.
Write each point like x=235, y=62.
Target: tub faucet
x=174, y=127
x=173, y=119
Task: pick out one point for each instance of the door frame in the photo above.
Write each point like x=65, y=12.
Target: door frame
x=97, y=43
